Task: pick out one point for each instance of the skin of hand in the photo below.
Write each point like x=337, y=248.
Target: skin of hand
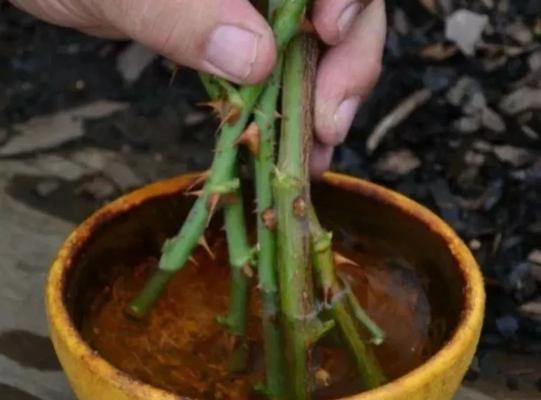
x=231, y=39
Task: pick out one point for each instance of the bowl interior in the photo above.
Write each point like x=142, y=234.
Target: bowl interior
x=138, y=232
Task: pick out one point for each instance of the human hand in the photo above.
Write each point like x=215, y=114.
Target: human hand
x=231, y=39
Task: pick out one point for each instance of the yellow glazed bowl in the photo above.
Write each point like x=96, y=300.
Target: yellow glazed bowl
x=426, y=237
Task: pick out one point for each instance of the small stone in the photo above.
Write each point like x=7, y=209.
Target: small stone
x=475, y=244
x=133, y=61
x=195, y=118
x=400, y=22
x=471, y=394
x=465, y=28
x=50, y=131
x=520, y=33
x=521, y=100
x=474, y=158
x=46, y=187
x=516, y=156
x=98, y=188
x=122, y=175
x=535, y=257
x=531, y=133
x=466, y=93
x=492, y=120
x=534, y=61
x=79, y=85
x=93, y=158
x=468, y=124
x=531, y=310
x=476, y=104
x=60, y=167
x=507, y=326
x=400, y=162
x=482, y=146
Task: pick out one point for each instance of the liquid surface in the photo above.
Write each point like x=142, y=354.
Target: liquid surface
x=182, y=348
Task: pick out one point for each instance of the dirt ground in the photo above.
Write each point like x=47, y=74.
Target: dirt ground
x=454, y=123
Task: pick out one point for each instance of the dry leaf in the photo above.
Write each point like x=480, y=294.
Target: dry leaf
x=430, y=5
x=438, y=51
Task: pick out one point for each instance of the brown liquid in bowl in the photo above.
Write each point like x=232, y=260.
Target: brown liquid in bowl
x=182, y=348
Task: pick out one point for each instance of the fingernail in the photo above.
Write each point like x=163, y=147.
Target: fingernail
x=232, y=51
x=344, y=116
x=347, y=18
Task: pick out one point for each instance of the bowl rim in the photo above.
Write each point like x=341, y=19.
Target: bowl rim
x=469, y=323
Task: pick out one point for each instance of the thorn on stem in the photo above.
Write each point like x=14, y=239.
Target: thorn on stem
x=226, y=112
x=193, y=260
x=212, y=205
x=251, y=138
x=204, y=244
x=194, y=193
x=198, y=181
x=341, y=259
x=307, y=26
x=248, y=271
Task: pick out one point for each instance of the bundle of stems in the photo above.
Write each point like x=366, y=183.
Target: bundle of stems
x=293, y=251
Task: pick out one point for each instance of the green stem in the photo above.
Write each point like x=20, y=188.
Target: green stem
x=176, y=251
x=240, y=257
x=367, y=365
x=272, y=6
x=240, y=254
x=291, y=188
x=378, y=336
x=218, y=88
x=211, y=86
x=275, y=387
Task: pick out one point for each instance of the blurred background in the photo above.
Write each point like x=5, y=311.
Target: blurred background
x=454, y=123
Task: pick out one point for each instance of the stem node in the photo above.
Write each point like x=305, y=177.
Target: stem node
x=268, y=217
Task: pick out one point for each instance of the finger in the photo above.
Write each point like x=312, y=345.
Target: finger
x=103, y=31
x=347, y=74
x=333, y=19
x=320, y=159
x=73, y=14
x=224, y=37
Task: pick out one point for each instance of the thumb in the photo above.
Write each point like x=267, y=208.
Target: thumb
x=224, y=37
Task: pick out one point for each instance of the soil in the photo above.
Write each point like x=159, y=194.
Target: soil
x=182, y=347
